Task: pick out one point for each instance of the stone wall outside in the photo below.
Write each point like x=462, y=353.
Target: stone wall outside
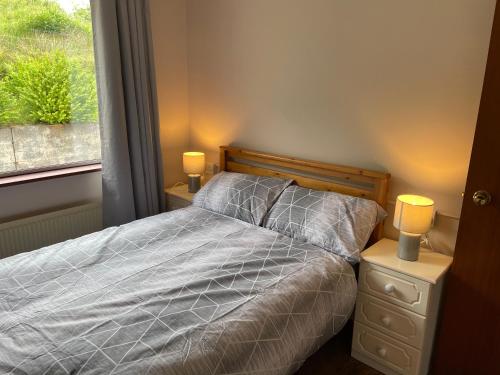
x=25, y=147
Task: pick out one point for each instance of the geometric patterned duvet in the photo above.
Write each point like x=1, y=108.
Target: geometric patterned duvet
x=185, y=292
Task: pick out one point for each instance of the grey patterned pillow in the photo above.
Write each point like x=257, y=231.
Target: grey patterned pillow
x=242, y=196
x=338, y=223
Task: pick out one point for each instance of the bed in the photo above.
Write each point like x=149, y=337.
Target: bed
x=185, y=292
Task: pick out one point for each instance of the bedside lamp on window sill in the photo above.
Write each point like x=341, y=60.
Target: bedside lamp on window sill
x=413, y=217
x=194, y=166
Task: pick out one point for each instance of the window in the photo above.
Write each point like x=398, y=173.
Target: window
x=48, y=99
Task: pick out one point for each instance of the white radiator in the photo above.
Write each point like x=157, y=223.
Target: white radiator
x=42, y=230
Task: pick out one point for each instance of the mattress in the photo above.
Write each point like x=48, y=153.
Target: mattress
x=185, y=292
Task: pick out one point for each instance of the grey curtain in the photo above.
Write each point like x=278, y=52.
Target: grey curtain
x=132, y=178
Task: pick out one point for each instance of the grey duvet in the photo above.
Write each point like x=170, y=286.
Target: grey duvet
x=186, y=292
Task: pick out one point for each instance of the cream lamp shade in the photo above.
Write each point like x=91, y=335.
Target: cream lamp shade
x=193, y=163
x=413, y=214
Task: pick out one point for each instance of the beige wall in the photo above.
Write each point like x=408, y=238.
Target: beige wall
x=390, y=85
x=168, y=23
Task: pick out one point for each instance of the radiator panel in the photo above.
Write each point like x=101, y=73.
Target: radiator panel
x=42, y=230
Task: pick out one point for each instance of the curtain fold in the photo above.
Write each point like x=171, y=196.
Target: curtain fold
x=132, y=177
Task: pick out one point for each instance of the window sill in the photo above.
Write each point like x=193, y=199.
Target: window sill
x=48, y=175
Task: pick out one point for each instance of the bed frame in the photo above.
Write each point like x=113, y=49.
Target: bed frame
x=310, y=174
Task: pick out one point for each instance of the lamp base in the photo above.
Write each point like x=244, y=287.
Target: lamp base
x=408, y=246
x=194, y=183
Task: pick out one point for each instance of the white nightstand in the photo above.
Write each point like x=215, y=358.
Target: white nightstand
x=178, y=197
x=397, y=308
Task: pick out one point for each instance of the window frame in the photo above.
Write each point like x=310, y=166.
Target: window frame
x=50, y=171
x=41, y=174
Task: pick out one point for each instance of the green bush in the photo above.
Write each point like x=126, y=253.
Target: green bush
x=50, y=19
x=82, y=20
x=50, y=89
x=46, y=64
x=83, y=93
x=6, y=107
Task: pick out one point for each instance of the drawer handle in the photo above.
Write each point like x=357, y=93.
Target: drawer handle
x=389, y=288
x=386, y=321
x=381, y=352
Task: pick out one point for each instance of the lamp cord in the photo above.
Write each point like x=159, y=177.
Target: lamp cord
x=427, y=240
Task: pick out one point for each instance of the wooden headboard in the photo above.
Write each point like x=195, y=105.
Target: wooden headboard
x=310, y=174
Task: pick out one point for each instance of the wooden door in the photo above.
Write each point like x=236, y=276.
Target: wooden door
x=468, y=337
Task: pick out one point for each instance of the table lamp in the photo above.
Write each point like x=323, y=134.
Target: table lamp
x=194, y=166
x=413, y=217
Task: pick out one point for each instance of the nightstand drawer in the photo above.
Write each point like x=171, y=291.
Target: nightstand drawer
x=382, y=349
x=397, y=322
x=397, y=308
x=402, y=290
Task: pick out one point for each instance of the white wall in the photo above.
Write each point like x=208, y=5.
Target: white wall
x=42, y=196
x=389, y=85
x=168, y=23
